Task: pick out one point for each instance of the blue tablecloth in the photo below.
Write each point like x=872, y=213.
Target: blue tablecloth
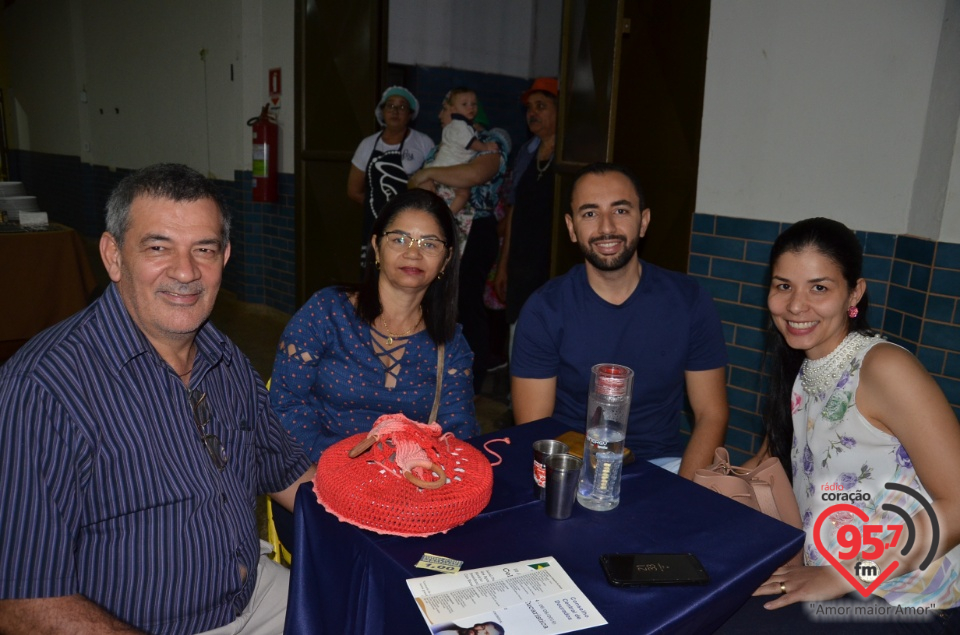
x=346, y=580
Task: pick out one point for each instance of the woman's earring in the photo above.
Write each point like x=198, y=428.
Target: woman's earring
x=378, y=264
x=440, y=275
x=853, y=312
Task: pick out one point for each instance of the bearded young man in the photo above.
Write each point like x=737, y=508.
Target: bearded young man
x=616, y=308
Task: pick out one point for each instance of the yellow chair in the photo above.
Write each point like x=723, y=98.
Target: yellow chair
x=280, y=554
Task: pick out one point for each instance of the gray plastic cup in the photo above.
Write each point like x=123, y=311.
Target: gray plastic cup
x=541, y=450
x=563, y=474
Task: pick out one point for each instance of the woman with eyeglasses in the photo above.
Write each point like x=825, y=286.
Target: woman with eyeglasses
x=354, y=353
x=383, y=161
x=351, y=354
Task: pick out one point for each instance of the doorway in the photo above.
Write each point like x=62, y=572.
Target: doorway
x=632, y=77
x=340, y=60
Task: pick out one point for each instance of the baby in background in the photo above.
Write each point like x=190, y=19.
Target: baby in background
x=459, y=143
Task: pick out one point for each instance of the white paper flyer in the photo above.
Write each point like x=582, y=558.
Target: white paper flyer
x=532, y=596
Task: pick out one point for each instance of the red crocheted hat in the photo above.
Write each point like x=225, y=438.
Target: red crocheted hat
x=403, y=478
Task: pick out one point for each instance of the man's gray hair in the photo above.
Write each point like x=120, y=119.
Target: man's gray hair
x=171, y=181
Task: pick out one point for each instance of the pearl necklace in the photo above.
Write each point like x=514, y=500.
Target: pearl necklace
x=819, y=375
x=391, y=336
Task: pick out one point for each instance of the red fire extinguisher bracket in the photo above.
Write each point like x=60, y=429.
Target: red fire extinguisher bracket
x=264, y=166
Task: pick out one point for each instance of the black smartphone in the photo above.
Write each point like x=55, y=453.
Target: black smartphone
x=641, y=569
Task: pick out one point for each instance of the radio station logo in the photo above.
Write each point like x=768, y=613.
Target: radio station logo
x=866, y=572
x=866, y=546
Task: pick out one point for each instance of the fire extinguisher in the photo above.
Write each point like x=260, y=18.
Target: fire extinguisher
x=264, y=156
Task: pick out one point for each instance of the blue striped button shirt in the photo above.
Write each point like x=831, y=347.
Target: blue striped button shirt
x=108, y=490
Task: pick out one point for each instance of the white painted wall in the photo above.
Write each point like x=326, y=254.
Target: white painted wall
x=848, y=109
x=42, y=114
x=177, y=104
x=156, y=76
x=928, y=211
x=951, y=207
x=821, y=108
x=267, y=35
x=519, y=38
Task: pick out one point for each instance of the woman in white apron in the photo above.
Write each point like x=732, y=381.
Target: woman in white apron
x=383, y=161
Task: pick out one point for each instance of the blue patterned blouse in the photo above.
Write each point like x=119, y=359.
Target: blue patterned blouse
x=328, y=382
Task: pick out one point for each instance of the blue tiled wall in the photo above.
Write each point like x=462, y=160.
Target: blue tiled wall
x=913, y=285
x=261, y=267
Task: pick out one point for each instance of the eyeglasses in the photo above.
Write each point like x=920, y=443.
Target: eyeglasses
x=202, y=417
x=397, y=107
x=401, y=241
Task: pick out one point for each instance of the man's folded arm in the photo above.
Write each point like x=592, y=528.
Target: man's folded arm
x=73, y=614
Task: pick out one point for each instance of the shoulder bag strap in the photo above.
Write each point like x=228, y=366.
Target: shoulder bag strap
x=436, y=398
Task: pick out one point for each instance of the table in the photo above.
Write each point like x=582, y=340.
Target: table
x=45, y=277
x=348, y=580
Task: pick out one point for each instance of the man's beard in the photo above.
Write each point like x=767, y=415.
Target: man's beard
x=610, y=263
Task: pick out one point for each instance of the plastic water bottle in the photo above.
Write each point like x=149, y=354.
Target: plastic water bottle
x=608, y=407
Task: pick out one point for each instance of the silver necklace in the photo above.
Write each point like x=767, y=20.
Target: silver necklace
x=819, y=375
x=543, y=170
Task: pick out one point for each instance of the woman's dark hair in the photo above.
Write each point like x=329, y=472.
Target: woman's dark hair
x=440, y=301
x=838, y=243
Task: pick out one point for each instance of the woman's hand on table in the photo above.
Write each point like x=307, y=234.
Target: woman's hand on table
x=803, y=584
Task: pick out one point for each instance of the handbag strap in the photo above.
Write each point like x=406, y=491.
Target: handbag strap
x=436, y=397
x=766, y=498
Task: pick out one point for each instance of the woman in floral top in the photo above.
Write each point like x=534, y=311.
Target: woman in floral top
x=849, y=413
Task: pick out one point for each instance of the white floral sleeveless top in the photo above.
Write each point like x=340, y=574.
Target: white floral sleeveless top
x=838, y=457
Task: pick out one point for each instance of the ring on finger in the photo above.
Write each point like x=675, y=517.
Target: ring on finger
x=783, y=587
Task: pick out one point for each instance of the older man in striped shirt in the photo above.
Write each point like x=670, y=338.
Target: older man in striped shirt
x=135, y=438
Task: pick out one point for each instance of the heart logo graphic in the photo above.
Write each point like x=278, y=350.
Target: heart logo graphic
x=865, y=591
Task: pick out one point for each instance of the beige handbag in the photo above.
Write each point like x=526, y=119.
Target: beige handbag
x=765, y=488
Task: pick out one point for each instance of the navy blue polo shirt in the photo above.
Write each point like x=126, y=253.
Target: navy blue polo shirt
x=669, y=325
